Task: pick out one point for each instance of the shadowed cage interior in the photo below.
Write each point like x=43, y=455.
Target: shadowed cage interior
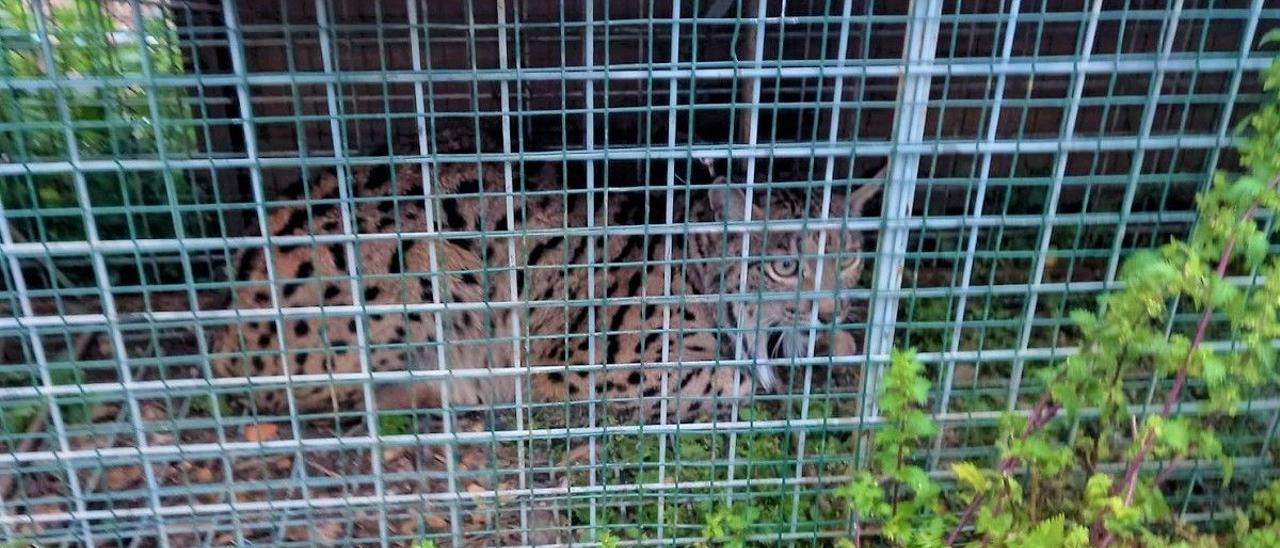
x=517, y=272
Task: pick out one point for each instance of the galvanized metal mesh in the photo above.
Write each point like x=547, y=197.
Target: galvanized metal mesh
x=1030, y=145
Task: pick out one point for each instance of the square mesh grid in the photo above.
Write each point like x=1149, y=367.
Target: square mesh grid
x=147, y=147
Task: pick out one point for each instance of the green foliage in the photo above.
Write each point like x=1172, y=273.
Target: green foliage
x=607, y=540
x=1044, y=492
x=1057, y=533
x=117, y=121
x=203, y=405
x=15, y=417
x=1260, y=526
x=701, y=458
x=728, y=527
x=106, y=121
x=902, y=504
x=395, y=424
x=899, y=496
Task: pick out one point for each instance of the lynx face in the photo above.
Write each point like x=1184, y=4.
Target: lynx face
x=793, y=271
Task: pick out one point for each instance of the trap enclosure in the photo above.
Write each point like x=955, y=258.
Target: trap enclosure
x=290, y=272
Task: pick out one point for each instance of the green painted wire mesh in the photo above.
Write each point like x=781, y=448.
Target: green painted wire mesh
x=1031, y=145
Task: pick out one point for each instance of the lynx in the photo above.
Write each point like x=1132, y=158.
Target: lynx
x=560, y=269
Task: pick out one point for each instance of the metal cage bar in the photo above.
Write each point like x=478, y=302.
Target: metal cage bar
x=1006, y=128
x=900, y=189
x=979, y=202
x=100, y=275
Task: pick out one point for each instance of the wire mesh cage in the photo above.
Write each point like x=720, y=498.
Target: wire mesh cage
x=513, y=273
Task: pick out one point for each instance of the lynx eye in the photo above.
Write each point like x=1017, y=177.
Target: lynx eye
x=785, y=267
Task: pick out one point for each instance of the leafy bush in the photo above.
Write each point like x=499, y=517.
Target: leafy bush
x=129, y=120
x=700, y=458
x=1044, y=492
x=82, y=40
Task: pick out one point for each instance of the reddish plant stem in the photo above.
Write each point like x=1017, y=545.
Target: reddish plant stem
x=1044, y=411
x=1168, y=470
x=1171, y=398
x=965, y=517
x=1004, y=494
x=1130, y=483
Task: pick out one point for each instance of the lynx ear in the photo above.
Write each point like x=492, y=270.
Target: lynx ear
x=728, y=200
x=858, y=199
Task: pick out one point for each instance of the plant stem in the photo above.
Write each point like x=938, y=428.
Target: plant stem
x=964, y=518
x=1115, y=378
x=1168, y=470
x=1130, y=483
x=1044, y=411
x=1004, y=495
x=901, y=449
x=1035, y=494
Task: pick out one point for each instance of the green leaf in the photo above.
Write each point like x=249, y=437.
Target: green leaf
x=970, y=475
x=607, y=540
x=917, y=479
x=1176, y=434
x=50, y=196
x=1084, y=319
x=1222, y=292
x=1255, y=249
x=864, y=495
x=920, y=425
x=1215, y=370
x=1272, y=35
x=1245, y=190
x=1149, y=267
x=1049, y=533
x=1078, y=537
x=919, y=390
x=1097, y=489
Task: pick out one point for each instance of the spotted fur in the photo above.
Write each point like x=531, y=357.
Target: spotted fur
x=558, y=270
